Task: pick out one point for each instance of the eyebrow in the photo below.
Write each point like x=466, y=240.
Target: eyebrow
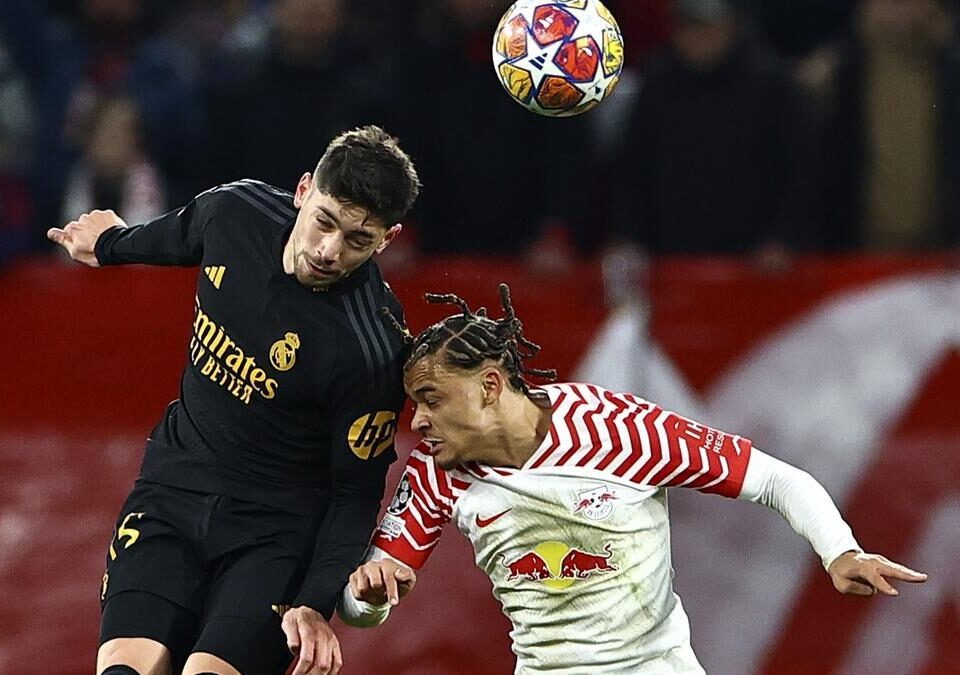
x=330, y=214
x=425, y=389
x=358, y=235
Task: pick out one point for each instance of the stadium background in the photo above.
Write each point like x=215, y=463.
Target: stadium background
x=838, y=354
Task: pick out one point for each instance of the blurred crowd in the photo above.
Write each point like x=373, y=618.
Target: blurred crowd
x=760, y=128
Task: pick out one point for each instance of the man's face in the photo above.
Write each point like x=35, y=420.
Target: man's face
x=331, y=238
x=451, y=411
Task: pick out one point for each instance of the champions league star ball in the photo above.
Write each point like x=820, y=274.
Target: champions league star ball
x=558, y=58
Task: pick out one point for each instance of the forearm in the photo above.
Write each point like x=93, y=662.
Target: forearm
x=802, y=501
x=171, y=239
x=341, y=543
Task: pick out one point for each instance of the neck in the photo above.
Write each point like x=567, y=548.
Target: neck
x=288, y=255
x=522, y=426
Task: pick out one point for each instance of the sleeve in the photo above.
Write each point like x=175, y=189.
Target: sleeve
x=668, y=450
x=359, y=613
x=802, y=501
x=421, y=506
x=175, y=238
x=366, y=408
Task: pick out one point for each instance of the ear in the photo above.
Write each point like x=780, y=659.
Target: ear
x=304, y=186
x=391, y=234
x=493, y=383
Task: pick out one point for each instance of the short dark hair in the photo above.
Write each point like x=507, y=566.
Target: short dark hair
x=366, y=167
x=467, y=340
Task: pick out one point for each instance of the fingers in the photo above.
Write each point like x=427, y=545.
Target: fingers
x=855, y=588
x=368, y=583
x=337, y=659
x=897, y=571
x=379, y=582
x=358, y=585
x=880, y=584
x=311, y=638
x=304, y=663
x=57, y=235
x=305, y=657
x=307, y=650
x=390, y=582
x=867, y=574
x=406, y=579
x=319, y=654
x=368, y=587
x=292, y=631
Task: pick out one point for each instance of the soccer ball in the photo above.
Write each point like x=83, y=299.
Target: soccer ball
x=558, y=58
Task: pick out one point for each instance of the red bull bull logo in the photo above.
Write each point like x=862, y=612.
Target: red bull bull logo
x=528, y=566
x=579, y=564
x=558, y=565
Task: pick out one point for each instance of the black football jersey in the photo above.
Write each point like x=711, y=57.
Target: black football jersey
x=290, y=396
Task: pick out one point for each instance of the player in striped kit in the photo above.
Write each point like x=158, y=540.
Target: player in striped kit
x=560, y=490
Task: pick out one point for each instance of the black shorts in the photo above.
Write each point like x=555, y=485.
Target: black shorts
x=226, y=568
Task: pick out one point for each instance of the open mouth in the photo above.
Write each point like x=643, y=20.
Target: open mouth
x=434, y=445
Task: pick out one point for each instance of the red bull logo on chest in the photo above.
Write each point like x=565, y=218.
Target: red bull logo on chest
x=557, y=565
x=595, y=504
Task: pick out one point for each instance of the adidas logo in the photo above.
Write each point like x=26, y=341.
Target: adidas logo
x=215, y=274
x=280, y=609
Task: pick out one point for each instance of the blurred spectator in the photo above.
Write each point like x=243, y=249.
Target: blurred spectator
x=16, y=158
x=115, y=172
x=796, y=27
x=225, y=40
x=312, y=84
x=21, y=30
x=645, y=27
x=107, y=47
x=715, y=158
x=890, y=97
x=497, y=178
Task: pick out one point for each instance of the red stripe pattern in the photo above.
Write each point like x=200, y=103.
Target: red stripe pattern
x=411, y=534
x=639, y=441
x=593, y=429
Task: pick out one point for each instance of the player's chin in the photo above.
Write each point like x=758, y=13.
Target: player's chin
x=445, y=460
x=317, y=283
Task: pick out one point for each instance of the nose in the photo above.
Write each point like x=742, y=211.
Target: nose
x=419, y=423
x=330, y=248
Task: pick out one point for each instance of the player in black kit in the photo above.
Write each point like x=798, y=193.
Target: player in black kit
x=260, y=485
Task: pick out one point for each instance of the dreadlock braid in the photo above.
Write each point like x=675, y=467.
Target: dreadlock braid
x=468, y=339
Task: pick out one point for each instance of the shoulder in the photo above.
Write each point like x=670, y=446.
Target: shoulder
x=592, y=394
x=253, y=198
x=366, y=306
x=426, y=478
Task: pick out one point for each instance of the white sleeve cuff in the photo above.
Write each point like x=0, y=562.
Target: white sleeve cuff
x=802, y=501
x=359, y=613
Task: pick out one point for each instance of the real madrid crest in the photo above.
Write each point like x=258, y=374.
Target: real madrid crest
x=283, y=353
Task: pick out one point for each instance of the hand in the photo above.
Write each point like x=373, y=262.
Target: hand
x=866, y=573
x=79, y=237
x=311, y=638
x=382, y=581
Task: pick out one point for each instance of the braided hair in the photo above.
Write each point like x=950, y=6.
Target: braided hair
x=464, y=341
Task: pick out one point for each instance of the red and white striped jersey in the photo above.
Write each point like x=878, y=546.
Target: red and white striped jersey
x=576, y=542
